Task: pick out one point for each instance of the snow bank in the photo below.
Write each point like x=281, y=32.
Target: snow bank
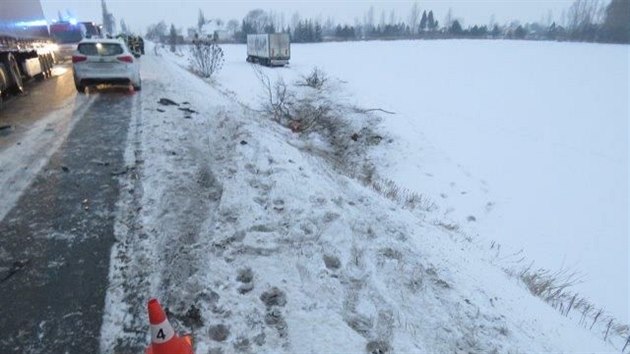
x=520, y=143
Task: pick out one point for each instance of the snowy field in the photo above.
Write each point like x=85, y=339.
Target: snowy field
x=521, y=143
x=280, y=252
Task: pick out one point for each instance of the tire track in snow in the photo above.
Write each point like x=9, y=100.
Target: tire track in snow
x=165, y=219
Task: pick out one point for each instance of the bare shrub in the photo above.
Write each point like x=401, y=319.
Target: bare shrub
x=316, y=79
x=277, y=98
x=302, y=112
x=311, y=106
x=206, y=58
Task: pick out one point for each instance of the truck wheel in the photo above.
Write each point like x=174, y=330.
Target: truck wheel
x=137, y=86
x=45, y=64
x=15, y=83
x=80, y=88
x=4, y=78
x=51, y=63
x=44, y=67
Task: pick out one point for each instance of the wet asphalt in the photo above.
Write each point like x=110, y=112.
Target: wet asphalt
x=55, y=243
x=39, y=98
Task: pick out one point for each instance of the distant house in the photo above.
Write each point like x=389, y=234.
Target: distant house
x=215, y=30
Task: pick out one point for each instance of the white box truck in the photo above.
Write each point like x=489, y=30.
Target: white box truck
x=269, y=49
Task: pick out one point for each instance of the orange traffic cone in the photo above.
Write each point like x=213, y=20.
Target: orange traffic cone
x=164, y=340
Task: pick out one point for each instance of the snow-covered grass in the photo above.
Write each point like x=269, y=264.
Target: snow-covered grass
x=237, y=216
x=519, y=143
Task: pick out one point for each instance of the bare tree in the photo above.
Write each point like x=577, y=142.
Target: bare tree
x=583, y=17
x=369, y=19
x=157, y=31
x=172, y=38
x=549, y=18
x=448, y=20
x=493, y=21
x=258, y=19
x=232, y=26
x=123, y=27
x=109, y=23
x=295, y=20
x=413, y=18
x=283, y=21
x=392, y=17
x=201, y=21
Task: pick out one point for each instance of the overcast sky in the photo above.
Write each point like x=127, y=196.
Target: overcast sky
x=138, y=14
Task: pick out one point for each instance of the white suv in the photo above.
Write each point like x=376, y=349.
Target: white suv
x=105, y=61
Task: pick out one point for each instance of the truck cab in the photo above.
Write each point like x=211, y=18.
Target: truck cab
x=67, y=35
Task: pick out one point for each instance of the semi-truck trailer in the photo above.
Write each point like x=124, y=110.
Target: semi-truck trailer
x=269, y=49
x=26, y=50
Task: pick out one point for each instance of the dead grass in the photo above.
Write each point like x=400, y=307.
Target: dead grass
x=555, y=289
x=403, y=196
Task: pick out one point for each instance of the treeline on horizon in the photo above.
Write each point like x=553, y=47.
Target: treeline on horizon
x=584, y=20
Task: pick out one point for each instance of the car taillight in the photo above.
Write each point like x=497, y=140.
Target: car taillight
x=126, y=58
x=78, y=58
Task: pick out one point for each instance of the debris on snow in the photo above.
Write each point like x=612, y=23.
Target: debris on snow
x=5, y=130
x=193, y=319
x=219, y=333
x=273, y=297
x=120, y=172
x=167, y=102
x=100, y=163
x=15, y=268
x=332, y=262
x=187, y=110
